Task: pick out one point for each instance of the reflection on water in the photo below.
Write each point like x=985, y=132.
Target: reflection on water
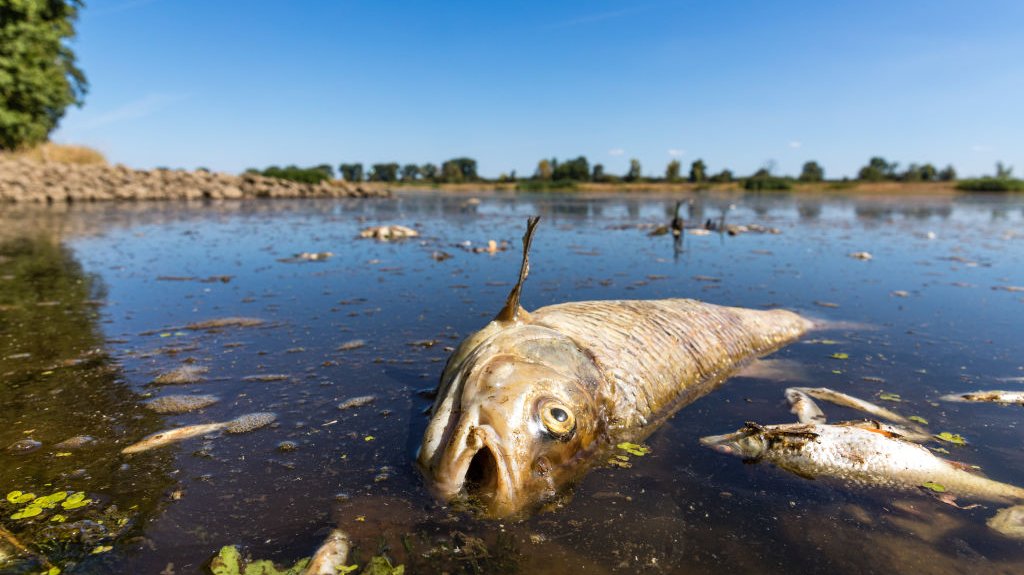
x=922, y=319
x=64, y=408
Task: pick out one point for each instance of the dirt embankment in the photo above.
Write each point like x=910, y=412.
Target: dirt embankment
x=24, y=180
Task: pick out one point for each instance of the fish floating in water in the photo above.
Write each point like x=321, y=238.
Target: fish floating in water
x=533, y=400
x=243, y=424
x=993, y=396
x=867, y=454
x=859, y=457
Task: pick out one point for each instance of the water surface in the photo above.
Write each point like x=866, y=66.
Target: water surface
x=95, y=300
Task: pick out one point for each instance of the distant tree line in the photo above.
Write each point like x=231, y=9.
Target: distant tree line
x=555, y=173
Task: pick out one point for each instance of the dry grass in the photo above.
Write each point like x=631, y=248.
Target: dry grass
x=61, y=154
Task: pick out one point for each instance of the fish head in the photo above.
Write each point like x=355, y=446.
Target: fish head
x=515, y=421
x=749, y=442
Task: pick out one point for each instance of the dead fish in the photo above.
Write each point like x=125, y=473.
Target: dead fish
x=183, y=375
x=180, y=403
x=839, y=398
x=354, y=402
x=533, y=400
x=993, y=396
x=807, y=411
x=331, y=556
x=243, y=424
x=803, y=407
x=388, y=233
x=858, y=457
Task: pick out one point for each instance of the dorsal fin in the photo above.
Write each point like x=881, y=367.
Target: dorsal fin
x=512, y=309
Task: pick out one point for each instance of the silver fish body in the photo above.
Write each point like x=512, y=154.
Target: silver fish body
x=526, y=406
x=858, y=457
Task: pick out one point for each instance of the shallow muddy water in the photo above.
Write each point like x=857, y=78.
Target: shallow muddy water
x=97, y=302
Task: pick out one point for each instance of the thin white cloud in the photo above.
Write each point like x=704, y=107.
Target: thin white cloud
x=616, y=152
x=795, y=144
x=675, y=152
x=134, y=110
x=981, y=148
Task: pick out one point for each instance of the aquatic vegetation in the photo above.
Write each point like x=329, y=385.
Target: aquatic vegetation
x=954, y=438
x=354, y=402
x=183, y=375
x=224, y=322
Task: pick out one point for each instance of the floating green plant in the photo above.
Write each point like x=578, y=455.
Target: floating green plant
x=634, y=449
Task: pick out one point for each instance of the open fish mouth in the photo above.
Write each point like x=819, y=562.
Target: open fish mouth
x=480, y=474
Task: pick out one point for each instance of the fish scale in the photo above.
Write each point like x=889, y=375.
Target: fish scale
x=660, y=355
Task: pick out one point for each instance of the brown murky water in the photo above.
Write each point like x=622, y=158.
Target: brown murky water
x=98, y=304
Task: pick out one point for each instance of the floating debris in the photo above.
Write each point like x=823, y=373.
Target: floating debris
x=357, y=402
x=180, y=403
x=899, y=293
x=206, y=280
x=229, y=561
x=388, y=233
x=993, y=396
x=183, y=375
x=314, y=256
x=242, y=424
x=1014, y=289
x=224, y=322
x=287, y=446
x=352, y=344
x=440, y=255
x=861, y=256
x=267, y=377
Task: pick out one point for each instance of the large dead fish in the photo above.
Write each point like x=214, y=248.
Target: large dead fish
x=859, y=457
x=988, y=396
x=530, y=402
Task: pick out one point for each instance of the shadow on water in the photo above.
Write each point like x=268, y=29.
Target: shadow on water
x=65, y=409
x=80, y=350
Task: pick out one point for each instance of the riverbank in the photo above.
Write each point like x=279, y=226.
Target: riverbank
x=24, y=180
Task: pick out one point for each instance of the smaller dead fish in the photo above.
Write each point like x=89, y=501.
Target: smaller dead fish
x=839, y=398
x=23, y=446
x=861, y=255
x=170, y=436
x=314, y=256
x=993, y=396
x=858, y=457
x=803, y=407
x=183, y=375
x=388, y=233
x=223, y=322
x=331, y=556
x=243, y=424
x=180, y=403
x=76, y=442
x=354, y=402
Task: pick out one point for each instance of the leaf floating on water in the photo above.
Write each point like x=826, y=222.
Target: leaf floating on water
x=919, y=419
x=59, y=518
x=381, y=566
x=837, y=371
x=343, y=569
x=954, y=438
x=26, y=512
x=227, y=562
x=934, y=486
x=886, y=396
x=840, y=355
x=20, y=497
x=941, y=450
x=101, y=549
x=634, y=449
x=75, y=501
x=369, y=438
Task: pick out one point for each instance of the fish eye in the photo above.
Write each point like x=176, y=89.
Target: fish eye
x=558, y=420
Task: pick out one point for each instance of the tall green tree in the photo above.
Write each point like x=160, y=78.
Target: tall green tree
x=598, y=174
x=672, y=171
x=576, y=170
x=384, y=172
x=428, y=171
x=878, y=169
x=38, y=75
x=698, y=171
x=544, y=170
x=634, y=171
x=947, y=174
x=459, y=170
x=812, y=172
x=351, y=172
x=410, y=172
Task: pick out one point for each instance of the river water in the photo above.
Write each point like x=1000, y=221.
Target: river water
x=96, y=303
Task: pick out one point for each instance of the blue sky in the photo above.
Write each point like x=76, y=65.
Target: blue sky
x=740, y=84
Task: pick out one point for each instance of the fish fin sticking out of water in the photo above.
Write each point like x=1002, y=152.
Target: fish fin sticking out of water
x=513, y=310
x=530, y=402
x=890, y=430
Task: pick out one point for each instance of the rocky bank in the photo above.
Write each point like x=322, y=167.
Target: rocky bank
x=24, y=180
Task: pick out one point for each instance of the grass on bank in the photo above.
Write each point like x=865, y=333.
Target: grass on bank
x=50, y=152
x=991, y=185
